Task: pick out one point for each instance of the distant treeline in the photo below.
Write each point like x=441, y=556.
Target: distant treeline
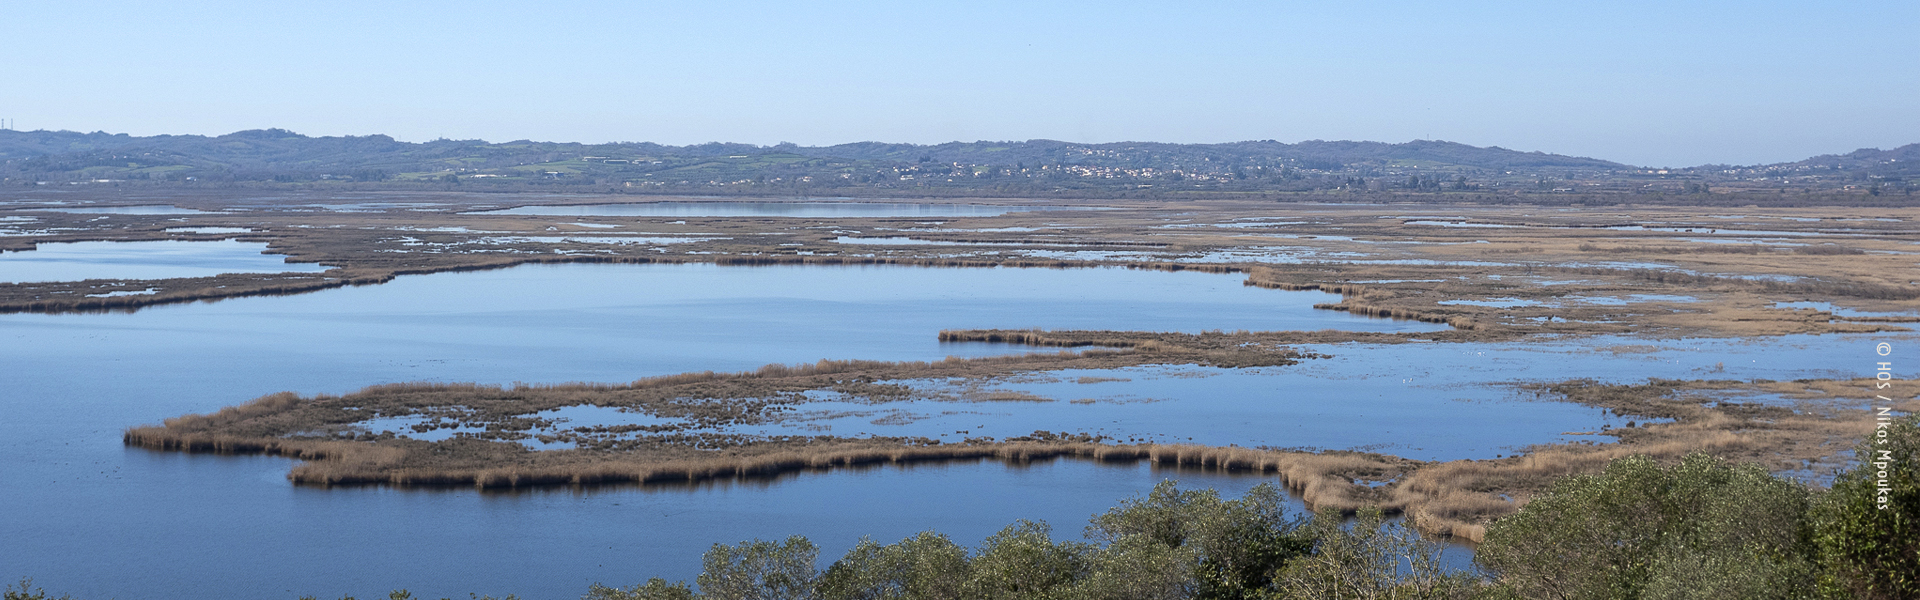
x=1037, y=168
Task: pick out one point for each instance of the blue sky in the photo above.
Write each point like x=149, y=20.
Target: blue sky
x=1681, y=83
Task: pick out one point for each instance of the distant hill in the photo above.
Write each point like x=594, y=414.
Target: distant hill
x=281, y=151
x=1313, y=154
x=1899, y=162
x=1012, y=167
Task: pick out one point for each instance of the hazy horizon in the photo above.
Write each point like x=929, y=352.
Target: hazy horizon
x=1014, y=141
x=1637, y=83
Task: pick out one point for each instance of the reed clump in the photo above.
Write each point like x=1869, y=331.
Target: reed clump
x=1324, y=481
x=1690, y=249
x=1212, y=348
x=1313, y=281
x=1200, y=345
x=766, y=462
x=1404, y=314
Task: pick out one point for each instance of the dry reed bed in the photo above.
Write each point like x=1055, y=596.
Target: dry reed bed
x=1721, y=305
x=356, y=243
x=1354, y=298
x=705, y=399
x=1212, y=348
x=1847, y=319
x=1297, y=280
x=1323, y=481
x=1724, y=249
x=1315, y=476
x=1389, y=312
x=1456, y=498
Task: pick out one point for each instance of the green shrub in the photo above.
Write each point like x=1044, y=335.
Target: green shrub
x=1233, y=546
x=1023, y=562
x=26, y=591
x=653, y=589
x=1138, y=568
x=759, y=570
x=928, y=566
x=1867, y=548
x=1369, y=559
x=1640, y=530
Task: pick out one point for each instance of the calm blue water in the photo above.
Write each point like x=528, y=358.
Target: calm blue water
x=1424, y=401
x=77, y=261
x=89, y=517
x=94, y=519
x=164, y=525
x=770, y=209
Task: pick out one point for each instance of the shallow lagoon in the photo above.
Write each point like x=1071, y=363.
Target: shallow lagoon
x=77, y=261
x=101, y=520
x=1276, y=407
x=107, y=521
x=163, y=525
x=1426, y=401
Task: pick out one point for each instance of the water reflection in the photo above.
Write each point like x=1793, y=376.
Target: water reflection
x=165, y=259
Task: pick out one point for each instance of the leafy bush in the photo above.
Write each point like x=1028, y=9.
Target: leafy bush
x=759, y=570
x=25, y=591
x=1233, y=546
x=1701, y=529
x=1370, y=559
x=653, y=589
x=927, y=566
x=1138, y=568
x=1868, y=549
x=1023, y=562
